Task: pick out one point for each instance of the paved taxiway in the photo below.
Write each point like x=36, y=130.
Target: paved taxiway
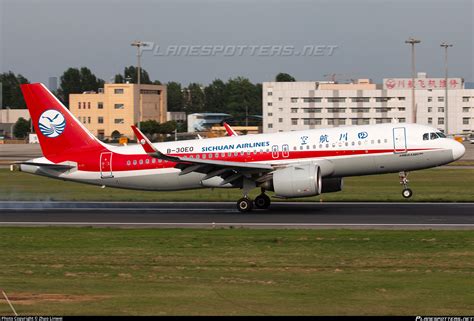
x=280, y=215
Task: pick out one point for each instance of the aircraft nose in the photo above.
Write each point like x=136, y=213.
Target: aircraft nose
x=458, y=150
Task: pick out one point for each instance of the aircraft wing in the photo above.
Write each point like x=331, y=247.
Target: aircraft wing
x=229, y=171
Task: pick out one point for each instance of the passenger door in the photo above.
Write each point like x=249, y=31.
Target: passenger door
x=106, y=165
x=275, y=151
x=285, y=151
x=399, y=140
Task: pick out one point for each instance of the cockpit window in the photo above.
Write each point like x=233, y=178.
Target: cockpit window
x=429, y=136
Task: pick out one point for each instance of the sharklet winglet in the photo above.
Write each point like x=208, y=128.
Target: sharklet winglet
x=230, y=130
x=149, y=148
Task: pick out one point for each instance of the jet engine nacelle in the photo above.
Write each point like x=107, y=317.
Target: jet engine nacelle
x=298, y=180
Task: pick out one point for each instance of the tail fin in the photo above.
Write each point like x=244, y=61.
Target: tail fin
x=59, y=132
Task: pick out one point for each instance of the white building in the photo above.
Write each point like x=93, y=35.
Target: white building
x=177, y=116
x=200, y=122
x=305, y=105
x=10, y=116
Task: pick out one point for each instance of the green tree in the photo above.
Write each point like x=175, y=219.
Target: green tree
x=215, y=95
x=21, y=128
x=282, y=77
x=167, y=127
x=116, y=134
x=150, y=127
x=194, y=100
x=174, y=96
x=75, y=81
x=12, y=96
x=243, y=96
x=131, y=74
x=182, y=127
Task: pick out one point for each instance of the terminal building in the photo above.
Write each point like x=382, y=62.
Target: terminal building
x=117, y=106
x=291, y=106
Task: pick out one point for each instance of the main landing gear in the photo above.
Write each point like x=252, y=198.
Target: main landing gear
x=406, y=193
x=262, y=201
x=245, y=204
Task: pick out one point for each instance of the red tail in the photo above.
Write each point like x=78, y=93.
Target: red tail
x=59, y=132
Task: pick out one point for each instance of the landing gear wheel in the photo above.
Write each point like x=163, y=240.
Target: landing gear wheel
x=262, y=201
x=244, y=205
x=407, y=193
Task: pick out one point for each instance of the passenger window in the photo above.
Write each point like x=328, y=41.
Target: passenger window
x=147, y=161
x=425, y=136
x=433, y=136
x=135, y=162
x=128, y=163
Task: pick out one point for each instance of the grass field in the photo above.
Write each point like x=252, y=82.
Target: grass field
x=447, y=185
x=75, y=271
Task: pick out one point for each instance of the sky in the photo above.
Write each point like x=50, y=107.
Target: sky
x=41, y=39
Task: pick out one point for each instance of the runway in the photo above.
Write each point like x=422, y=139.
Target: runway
x=225, y=214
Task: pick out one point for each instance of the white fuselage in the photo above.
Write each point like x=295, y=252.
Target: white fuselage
x=340, y=152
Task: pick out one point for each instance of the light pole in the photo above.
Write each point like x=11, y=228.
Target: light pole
x=413, y=41
x=445, y=45
x=139, y=44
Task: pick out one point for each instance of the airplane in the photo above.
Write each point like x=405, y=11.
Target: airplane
x=291, y=164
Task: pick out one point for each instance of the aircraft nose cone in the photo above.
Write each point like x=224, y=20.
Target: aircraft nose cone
x=458, y=150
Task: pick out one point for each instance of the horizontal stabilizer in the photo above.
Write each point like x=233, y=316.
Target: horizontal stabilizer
x=59, y=167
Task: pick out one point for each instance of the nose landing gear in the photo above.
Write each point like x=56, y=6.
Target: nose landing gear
x=406, y=193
